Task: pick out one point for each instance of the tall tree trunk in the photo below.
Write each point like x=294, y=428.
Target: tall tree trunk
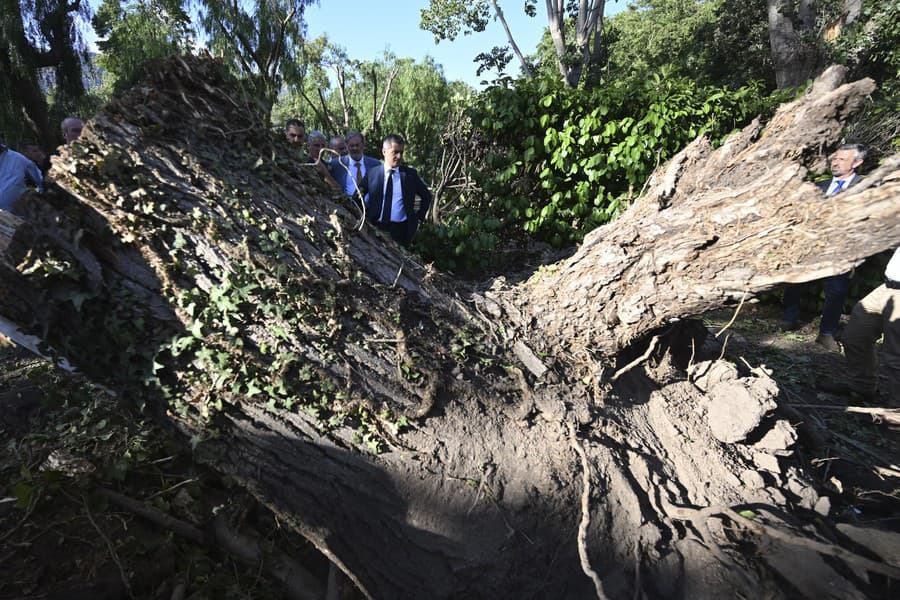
x=20, y=62
x=793, y=41
x=24, y=87
x=526, y=68
x=556, y=20
x=588, y=24
x=438, y=441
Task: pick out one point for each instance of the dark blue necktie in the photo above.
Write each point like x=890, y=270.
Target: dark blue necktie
x=838, y=187
x=388, y=197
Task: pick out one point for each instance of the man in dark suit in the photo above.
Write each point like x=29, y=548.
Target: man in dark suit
x=844, y=163
x=392, y=189
x=350, y=170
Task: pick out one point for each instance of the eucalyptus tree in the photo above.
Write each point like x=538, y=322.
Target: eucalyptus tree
x=575, y=29
x=260, y=39
x=799, y=31
x=135, y=32
x=40, y=41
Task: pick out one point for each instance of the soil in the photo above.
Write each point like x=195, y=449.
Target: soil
x=838, y=449
x=66, y=441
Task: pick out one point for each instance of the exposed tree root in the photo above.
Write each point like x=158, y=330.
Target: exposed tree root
x=878, y=414
x=585, y=513
x=110, y=548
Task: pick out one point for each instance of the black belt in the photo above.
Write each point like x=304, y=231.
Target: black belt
x=894, y=285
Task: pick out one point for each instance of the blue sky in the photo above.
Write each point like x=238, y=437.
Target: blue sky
x=365, y=28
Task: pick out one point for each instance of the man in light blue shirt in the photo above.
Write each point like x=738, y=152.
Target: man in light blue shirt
x=350, y=170
x=17, y=173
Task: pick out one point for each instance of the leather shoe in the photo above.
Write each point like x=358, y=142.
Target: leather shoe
x=789, y=326
x=843, y=389
x=828, y=342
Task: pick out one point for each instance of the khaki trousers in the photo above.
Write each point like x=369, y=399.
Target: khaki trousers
x=876, y=314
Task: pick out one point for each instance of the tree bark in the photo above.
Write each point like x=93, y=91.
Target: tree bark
x=526, y=68
x=747, y=241
x=424, y=435
x=793, y=41
x=589, y=20
x=21, y=61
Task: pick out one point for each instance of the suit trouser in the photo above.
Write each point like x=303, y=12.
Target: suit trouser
x=836, y=288
x=398, y=230
x=876, y=314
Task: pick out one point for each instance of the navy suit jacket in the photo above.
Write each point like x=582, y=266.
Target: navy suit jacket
x=338, y=168
x=824, y=185
x=410, y=183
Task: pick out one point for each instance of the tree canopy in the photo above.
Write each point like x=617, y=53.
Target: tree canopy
x=574, y=29
x=137, y=32
x=43, y=64
x=262, y=40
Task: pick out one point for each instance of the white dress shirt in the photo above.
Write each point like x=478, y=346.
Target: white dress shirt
x=892, y=271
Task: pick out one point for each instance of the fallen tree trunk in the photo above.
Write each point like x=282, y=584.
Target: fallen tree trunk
x=428, y=438
x=720, y=225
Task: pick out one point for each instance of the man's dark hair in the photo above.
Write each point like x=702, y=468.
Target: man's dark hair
x=391, y=139
x=858, y=148
x=294, y=123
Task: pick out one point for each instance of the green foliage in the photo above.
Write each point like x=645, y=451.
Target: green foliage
x=871, y=48
x=577, y=26
x=41, y=49
x=736, y=45
x=655, y=33
x=564, y=161
x=446, y=19
x=419, y=97
x=135, y=33
x=261, y=40
x=692, y=38
x=876, y=39
x=465, y=243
